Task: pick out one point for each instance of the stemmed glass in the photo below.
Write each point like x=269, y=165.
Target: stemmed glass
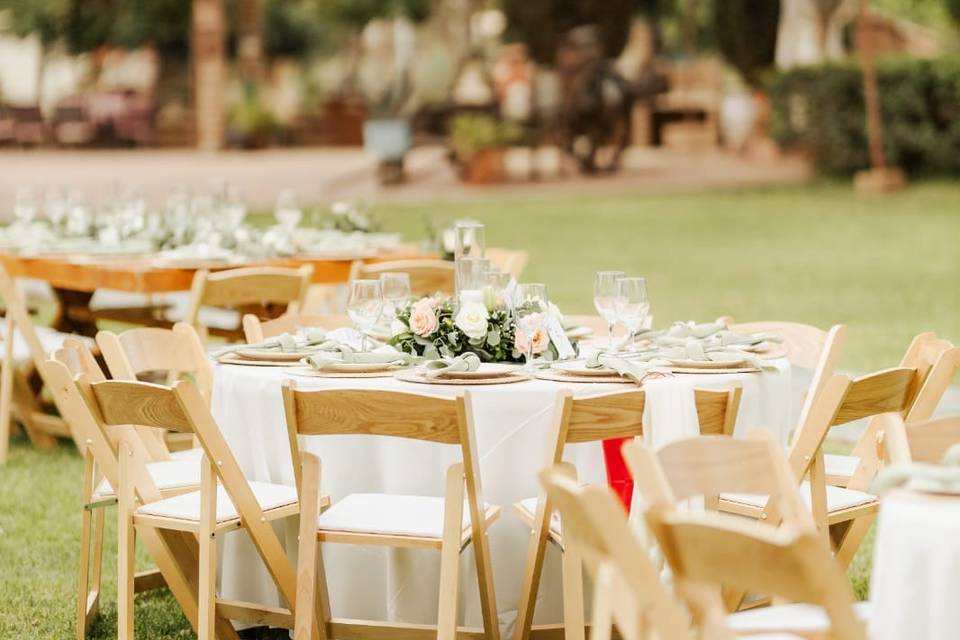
x=364, y=306
x=632, y=304
x=55, y=207
x=495, y=288
x=531, y=310
x=605, y=299
x=234, y=209
x=396, y=291
x=25, y=205
x=287, y=211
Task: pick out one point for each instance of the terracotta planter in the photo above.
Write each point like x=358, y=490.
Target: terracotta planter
x=484, y=167
x=344, y=122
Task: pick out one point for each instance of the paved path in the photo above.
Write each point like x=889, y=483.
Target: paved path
x=323, y=174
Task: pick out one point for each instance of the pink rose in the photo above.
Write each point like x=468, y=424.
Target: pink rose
x=423, y=321
x=541, y=341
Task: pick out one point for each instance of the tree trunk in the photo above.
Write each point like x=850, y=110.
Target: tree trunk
x=870, y=96
x=250, y=40
x=209, y=31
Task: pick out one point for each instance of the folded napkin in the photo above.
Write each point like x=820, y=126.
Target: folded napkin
x=332, y=353
x=438, y=368
x=634, y=369
x=920, y=476
x=284, y=343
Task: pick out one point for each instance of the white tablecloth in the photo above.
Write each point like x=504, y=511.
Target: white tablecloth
x=915, y=585
x=512, y=426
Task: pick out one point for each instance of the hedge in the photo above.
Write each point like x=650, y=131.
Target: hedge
x=820, y=109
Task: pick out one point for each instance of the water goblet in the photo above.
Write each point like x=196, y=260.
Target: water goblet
x=396, y=291
x=364, y=306
x=25, y=205
x=287, y=212
x=632, y=304
x=605, y=299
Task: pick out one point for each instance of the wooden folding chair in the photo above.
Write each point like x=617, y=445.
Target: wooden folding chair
x=926, y=441
x=388, y=520
x=426, y=276
x=25, y=347
x=627, y=587
x=708, y=466
x=709, y=551
x=225, y=502
x=257, y=330
x=159, y=355
x=935, y=362
x=509, y=261
x=843, y=513
x=264, y=291
x=604, y=417
x=71, y=370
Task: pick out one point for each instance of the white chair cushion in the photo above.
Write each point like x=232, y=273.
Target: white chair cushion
x=187, y=454
x=169, y=474
x=838, y=498
x=530, y=506
x=50, y=340
x=187, y=506
x=397, y=515
x=842, y=466
x=802, y=618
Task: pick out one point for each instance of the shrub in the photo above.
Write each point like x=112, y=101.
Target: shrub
x=820, y=108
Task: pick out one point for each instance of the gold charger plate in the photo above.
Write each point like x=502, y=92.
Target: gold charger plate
x=418, y=377
x=559, y=376
x=232, y=359
x=309, y=372
x=263, y=355
x=675, y=369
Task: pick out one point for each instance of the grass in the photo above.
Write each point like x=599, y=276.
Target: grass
x=887, y=267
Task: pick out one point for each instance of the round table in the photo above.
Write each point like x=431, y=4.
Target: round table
x=512, y=421
x=915, y=584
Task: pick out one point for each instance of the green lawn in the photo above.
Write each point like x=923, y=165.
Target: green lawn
x=887, y=267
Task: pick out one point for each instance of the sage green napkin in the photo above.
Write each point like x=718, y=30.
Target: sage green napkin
x=632, y=368
x=284, y=343
x=331, y=353
x=438, y=368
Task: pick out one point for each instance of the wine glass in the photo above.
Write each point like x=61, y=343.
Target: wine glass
x=632, y=304
x=287, y=212
x=234, y=209
x=25, y=205
x=531, y=310
x=605, y=297
x=55, y=207
x=396, y=291
x=364, y=306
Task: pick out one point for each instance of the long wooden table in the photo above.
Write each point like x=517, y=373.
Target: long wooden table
x=74, y=279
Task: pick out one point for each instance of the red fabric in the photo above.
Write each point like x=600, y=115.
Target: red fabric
x=618, y=476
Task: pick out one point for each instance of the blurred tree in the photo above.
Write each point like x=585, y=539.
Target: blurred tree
x=249, y=40
x=543, y=23
x=43, y=19
x=746, y=32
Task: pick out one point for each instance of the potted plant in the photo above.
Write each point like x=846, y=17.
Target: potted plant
x=251, y=124
x=479, y=141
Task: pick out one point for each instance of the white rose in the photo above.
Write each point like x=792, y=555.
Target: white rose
x=472, y=320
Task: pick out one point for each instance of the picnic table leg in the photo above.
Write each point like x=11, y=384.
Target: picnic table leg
x=68, y=322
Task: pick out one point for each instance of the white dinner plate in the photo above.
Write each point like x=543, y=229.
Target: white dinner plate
x=579, y=367
x=274, y=355
x=358, y=367
x=486, y=370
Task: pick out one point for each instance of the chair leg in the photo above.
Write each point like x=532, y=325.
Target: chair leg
x=126, y=540
x=531, y=577
x=207, y=538
x=6, y=390
x=450, y=555
x=602, y=622
x=573, y=619
x=83, y=583
x=96, y=565
x=856, y=531
x=310, y=569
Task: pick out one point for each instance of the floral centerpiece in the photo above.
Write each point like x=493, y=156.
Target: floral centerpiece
x=434, y=327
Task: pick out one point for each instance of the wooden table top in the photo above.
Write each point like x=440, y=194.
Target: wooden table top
x=144, y=275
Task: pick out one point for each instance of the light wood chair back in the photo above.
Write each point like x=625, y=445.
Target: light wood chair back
x=247, y=287
x=595, y=528
x=782, y=562
x=447, y=421
x=926, y=441
x=426, y=276
x=257, y=330
x=803, y=343
x=509, y=261
x=706, y=466
x=16, y=395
